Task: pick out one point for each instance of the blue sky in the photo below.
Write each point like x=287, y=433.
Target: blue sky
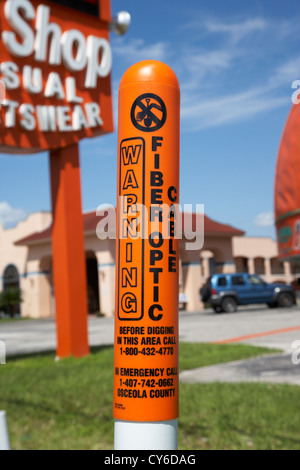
x=235, y=62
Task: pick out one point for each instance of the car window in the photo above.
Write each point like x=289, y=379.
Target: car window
x=222, y=281
x=255, y=280
x=238, y=281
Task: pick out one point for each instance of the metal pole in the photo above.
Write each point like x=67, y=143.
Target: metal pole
x=4, y=438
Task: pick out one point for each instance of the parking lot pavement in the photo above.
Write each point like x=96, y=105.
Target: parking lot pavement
x=252, y=322
x=277, y=328
x=26, y=337
x=266, y=369
x=35, y=336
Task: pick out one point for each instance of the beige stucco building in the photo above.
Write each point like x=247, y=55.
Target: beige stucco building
x=26, y=261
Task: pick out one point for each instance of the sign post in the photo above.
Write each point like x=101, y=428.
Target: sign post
x=55, y=62
x=146, y=322
x=69, y=269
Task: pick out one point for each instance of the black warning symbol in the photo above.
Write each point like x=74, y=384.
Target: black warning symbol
x=148, y=113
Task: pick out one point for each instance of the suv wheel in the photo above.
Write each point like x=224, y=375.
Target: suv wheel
x=218, y=309
x=229, y=305
x=285, y=300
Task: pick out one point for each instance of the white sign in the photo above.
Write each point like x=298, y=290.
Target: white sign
x=65, y=51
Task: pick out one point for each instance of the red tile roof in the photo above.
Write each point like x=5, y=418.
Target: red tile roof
x=190, y=221
x=211, y=227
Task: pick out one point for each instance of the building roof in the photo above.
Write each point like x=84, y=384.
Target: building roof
x=211, y=227
x=190, y=221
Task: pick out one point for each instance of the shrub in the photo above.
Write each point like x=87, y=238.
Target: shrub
x=10, y=299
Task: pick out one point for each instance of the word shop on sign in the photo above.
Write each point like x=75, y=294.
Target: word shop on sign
x=58, y=69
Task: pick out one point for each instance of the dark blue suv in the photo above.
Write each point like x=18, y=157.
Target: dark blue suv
x=224, y=292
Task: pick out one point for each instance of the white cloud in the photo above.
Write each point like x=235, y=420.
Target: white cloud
x=137, y=50
x=200, y=67
x=206, y=104
x=10, y=216
x=286, y=73
x=202, y=113
x=264, y=219
x=209, y=60
x=211, y=76
x=236, y=30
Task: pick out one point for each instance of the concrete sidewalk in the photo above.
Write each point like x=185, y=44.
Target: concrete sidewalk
x=265, y=369
x=36, y=336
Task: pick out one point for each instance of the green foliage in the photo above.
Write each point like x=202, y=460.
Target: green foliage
x=9, y=299
x=67, y=405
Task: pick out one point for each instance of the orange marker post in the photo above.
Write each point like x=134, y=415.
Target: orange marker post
x=146, y=325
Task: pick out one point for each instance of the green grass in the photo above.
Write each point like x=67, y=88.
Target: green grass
x=14, y=320
x=239, y=417
x=68, y=405
x=193, y=355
